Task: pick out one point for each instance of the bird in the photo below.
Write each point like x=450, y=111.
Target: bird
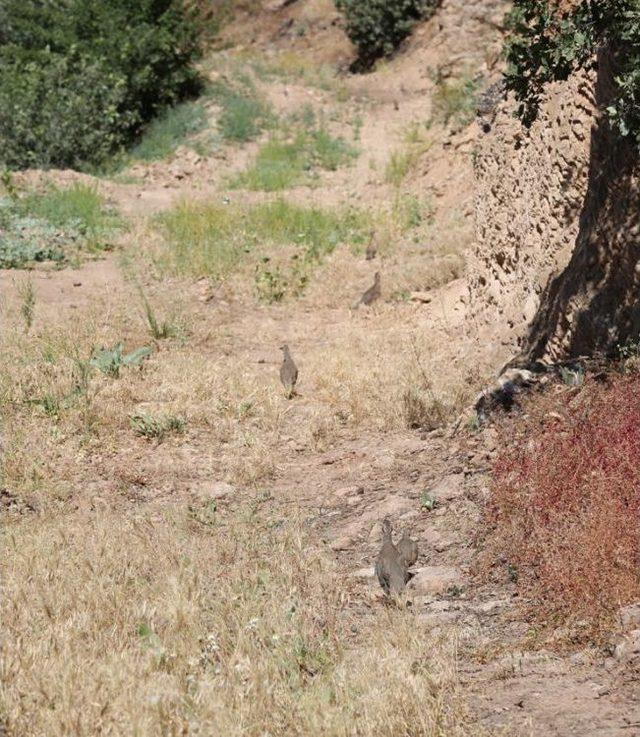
x=372, y=294
x=391, y=569
x=288, y=372
x=408, y=550
x=372, y=247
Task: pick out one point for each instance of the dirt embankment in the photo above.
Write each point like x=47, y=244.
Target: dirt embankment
x=555, y=261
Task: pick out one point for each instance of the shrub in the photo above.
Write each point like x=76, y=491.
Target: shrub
x=548, y=43
x=376, y=27
x=565, y=508
x=79, y=79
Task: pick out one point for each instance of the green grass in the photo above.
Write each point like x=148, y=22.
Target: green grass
x=55, y=225
x=211, y=240
x=163, y=136
x=283, y=164
x=404, y=161
x=243, y=114
x=454, y=101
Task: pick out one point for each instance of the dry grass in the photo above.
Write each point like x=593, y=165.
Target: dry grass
x=164, y=621
x=565, y=504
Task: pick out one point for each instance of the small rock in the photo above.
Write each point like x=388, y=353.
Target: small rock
x=365, y=573
x=448, y=488
x=347, y=491
x=435, y=579
x=630, y=616
x=628, y=647
x=217, y=490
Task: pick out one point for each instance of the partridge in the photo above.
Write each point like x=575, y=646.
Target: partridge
x=390, y=567
x=288, y=372
x=372, y=247
x=408, y=550
x=372, y=294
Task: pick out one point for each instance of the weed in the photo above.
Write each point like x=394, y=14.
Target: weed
x=28, y=296
x=454, y=101
x=164, y=134
x=282, y=164
x=156, y=427
x=210, y=240
x=110, y=360
x=565, y=503
x=243, y=115
x=427, y=501
x=45, y=226
x=402, y=162
x=158, y=330
x=6, y=179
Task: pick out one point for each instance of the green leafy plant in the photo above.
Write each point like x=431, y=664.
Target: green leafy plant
x=427, y=501
x=80, y=79
x=52, y=225
x=110, y=360
x=376, y=27
x=547, y=43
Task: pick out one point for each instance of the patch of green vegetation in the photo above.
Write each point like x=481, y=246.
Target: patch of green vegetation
x=164, y=134
x=156, y=427
x=211, y=240
x=54, y=225
x=111, y=360
x=454, y=101
x=403, y=161
x=282, y=164
x=243, y=114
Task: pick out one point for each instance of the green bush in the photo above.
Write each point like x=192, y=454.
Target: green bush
x=376, y=27
x=79, y=79
x=546, y=44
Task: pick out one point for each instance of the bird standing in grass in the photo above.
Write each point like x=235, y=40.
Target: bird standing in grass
x=408, y=550
x=391, y=569
x=372, y=294
x=372, y=247
x=288, y=372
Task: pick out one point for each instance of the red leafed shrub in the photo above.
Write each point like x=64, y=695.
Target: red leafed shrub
x=565, y=507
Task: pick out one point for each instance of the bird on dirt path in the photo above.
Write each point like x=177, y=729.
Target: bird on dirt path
x=288, y=372
x=372, y=294
x=408, y=550
x=390, y=567
x=372, y=247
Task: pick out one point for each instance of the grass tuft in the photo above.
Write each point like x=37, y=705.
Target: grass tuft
x=171, y=129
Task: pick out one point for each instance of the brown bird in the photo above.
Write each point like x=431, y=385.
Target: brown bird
x=390, y=567
x=372, y=247
x=372, y=294
x=288, y=372
x=408, y=550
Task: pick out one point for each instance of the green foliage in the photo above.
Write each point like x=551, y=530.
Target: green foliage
x=454, y=101
x=546, y=44
x=111, y=360
x=210, y=240
x=164, y=134
x=48, y=226
x=282, y=164
x=243, y=115
x=158, y=330
x=79, y=79
x=376, y=27
x=156, y=427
